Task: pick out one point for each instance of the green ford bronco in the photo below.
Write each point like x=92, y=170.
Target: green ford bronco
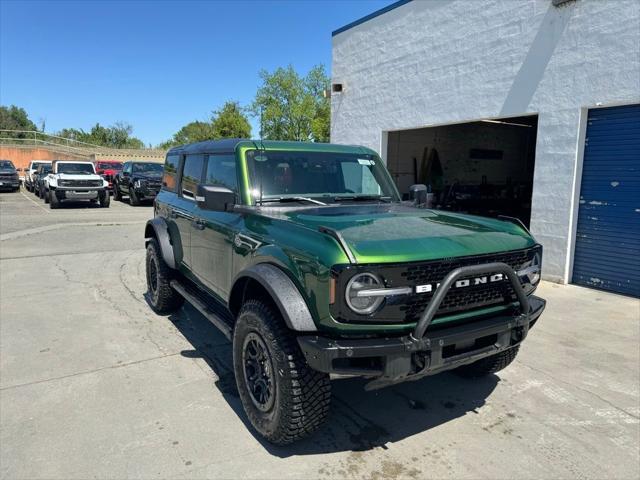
x=306, y=258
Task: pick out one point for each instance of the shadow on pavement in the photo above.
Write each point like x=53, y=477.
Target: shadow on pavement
x=358, y=420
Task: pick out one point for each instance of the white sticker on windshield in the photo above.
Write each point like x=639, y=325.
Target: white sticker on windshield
x=365, y=161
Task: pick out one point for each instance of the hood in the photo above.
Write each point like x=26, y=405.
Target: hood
x=108, y=171
x=6, y=171
x=399, y=233
x=71, y=176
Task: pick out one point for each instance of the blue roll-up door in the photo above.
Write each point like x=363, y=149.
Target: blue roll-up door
x=607, y=251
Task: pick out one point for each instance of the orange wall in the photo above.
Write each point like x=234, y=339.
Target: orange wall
x=21, y=156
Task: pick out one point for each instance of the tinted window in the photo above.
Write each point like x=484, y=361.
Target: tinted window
x=80, y=168
x=147, y=167
x=192, y=174
x=170, y=172
x=6, y=164
x=221, y=170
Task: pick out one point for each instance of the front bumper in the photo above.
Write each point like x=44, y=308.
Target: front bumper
x=71, y=193
x=428, y=351
x=9, y=184
x=397, y=359
x=147, y=193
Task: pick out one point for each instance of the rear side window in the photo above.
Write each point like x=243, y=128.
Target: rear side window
x=221, y=170
x=170, y=175
x=192, y=175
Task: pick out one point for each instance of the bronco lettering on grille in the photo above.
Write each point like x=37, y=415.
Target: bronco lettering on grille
x=430, y=287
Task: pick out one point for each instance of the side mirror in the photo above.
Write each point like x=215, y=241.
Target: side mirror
x=215, y=198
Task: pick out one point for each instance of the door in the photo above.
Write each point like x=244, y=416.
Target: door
x=182, y=210
x=607, y=249
x=213, y=234
x=125, y=175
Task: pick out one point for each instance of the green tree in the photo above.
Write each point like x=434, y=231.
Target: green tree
x=118, y=135
x=15, y=118
x=230, y=122
x=292, y=107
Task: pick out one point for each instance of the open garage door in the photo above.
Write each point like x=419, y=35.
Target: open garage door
x=484, y=167
x=607, y=249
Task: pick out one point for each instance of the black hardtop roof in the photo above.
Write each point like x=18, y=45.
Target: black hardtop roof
x=229, y=145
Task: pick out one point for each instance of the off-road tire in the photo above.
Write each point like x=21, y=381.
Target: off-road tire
x=36, y=192
x=45, y=195
x=53, y=200
x=133, y=198
x=302, y=396
x=488, y=365
x=116, y=192
x=105, y=199
x=162, y=298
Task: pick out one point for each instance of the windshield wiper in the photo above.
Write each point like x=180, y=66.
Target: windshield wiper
x=361, y=198
x=292, y=199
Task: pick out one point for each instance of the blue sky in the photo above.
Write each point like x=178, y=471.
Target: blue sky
x=156, y=65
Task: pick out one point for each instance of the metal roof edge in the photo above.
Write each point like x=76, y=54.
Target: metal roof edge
x=375, y=14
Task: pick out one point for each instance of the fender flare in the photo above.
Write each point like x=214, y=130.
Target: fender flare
x=161, y=229
x=284, y=293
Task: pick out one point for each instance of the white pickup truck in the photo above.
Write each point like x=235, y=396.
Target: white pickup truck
x=72, y=180
x=30, y=171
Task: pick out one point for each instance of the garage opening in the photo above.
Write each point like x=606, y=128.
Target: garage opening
x=483, y=167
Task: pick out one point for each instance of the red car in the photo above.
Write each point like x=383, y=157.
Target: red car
x=108, y=169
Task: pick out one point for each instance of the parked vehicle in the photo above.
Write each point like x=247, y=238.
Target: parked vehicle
x=9, y=176
x=31, y=170
x=38, y=179
x=73, y=180
x=139, y=181
x=108, y=169
x=304, y=256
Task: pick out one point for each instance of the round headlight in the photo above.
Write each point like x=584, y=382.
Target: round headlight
x=363, y=305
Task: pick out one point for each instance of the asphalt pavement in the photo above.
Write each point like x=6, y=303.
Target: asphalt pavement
x=93, y=384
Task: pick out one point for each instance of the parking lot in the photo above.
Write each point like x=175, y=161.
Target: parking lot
x=94, y=384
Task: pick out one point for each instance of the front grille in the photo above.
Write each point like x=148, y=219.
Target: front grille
x=81, y=183
x=409, y=308
x=460, y=299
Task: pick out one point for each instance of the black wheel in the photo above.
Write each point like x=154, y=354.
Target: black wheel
x=36, y=191
x=162, y=297
x=488, y=365
x=105, y=199
x=44, y=194
x=133, y=198
x=53, y=200
x=284, y=399
x=116, y=192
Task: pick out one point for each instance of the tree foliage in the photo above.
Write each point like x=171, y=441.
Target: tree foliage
x=116, y=136
x=292, y=107
x=15, y=118
x=229, y=121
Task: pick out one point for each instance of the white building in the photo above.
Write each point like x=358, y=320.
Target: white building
x=499, y=105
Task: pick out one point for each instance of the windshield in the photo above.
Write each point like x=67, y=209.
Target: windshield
x=328, y=176
x=45, y=169
x=82, y=168
x=6, y=164
x=147, y=168
x=35, y=165
x=109, y=166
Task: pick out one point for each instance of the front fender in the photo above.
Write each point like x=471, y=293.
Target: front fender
x=168, y=239
x=284, y=293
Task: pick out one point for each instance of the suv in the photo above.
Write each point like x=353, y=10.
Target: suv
x=30, y=171
x=304, y=256
x=72, y=180
x=38, y=179
x=139, y=180
x=108, y=169
x=9, y=179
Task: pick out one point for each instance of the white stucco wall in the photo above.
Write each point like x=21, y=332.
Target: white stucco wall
x=432, y=62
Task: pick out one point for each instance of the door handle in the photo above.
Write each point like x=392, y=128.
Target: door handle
x=199, y=224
